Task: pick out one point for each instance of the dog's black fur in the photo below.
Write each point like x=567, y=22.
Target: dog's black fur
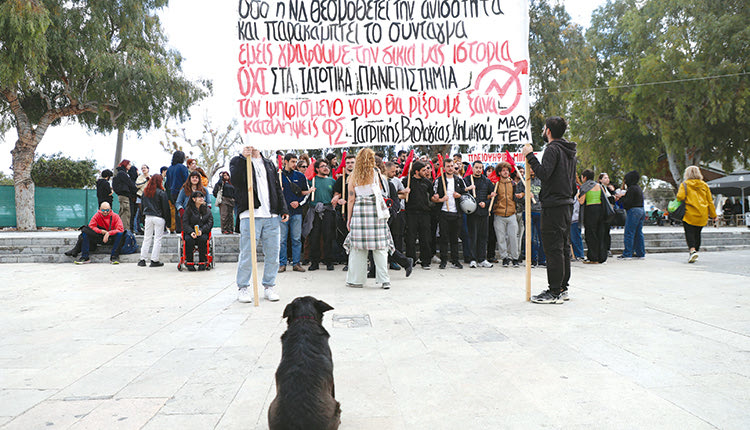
x=305, y=395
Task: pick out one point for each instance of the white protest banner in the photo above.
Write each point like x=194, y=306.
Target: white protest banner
x=328, y=73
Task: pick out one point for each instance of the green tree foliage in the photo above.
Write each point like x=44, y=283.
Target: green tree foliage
x=5, y=180
x=690, y=120
x=105, y=64
x=62, y=172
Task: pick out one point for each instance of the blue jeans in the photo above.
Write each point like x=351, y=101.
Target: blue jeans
x=633, y=236
x=576, y=239
x=267, y=232
x=85, y=245
x=537, y=250
x=295, y=225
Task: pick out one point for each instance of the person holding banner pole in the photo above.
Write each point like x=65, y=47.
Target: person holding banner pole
x=251, y=171
x=557, y=174
x=448, y=189
x=418, y=213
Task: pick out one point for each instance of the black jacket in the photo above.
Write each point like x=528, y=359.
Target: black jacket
x=193, y=217
x=228, y=189
x=485, y=187
x=458, y=186
x=103, y=191
x=238, y=174
x=558, y=173
x=158, y=205
x=419, y=197
x=633, y=198
x=122, y=184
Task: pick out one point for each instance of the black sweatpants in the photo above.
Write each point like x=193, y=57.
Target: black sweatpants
x=418, y=226
x=692, y=235
x=596, y=230
x=190, y=244
x=398, y=222
x=450, y=226
x=478, y=228
x=326, y=228
x=556, y=243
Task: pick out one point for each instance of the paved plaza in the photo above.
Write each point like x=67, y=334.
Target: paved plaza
x=654, y=343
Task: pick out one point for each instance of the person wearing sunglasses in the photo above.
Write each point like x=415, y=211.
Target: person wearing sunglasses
x=105, y=227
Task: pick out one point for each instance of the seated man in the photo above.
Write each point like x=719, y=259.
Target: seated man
x=104, y=225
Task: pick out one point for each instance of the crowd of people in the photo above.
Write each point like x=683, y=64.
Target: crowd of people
x=369, y=214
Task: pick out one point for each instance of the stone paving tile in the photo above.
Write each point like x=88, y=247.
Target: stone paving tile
x=182, y=422
x=54, y=414
x=14, y=402
x=120, y=414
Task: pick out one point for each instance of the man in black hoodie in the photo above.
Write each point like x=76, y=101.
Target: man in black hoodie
x=632, y=201
x=557, y=174
x=270, y=210
x=418, y=213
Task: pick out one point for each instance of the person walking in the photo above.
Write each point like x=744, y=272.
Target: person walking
x=294, y=185
x=699, y=206
x=591, y=195
x=224, y=194
x=155, y=206
x=557, y=173
x=367, y=222
x=270, y=210
x=632, y=202
x=125, y=188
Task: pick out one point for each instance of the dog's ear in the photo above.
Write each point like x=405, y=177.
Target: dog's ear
x=322, y=306
x=288, y=311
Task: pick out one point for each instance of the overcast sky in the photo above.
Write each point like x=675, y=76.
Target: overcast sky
x=187, y=24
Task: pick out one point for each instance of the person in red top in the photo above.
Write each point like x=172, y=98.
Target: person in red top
x=104, y=226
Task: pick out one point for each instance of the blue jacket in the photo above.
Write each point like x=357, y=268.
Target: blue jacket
x=177, y=174
x=293, y=184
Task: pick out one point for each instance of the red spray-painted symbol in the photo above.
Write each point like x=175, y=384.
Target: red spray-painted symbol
x=499, y=73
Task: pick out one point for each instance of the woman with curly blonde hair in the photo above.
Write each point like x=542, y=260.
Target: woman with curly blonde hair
x=699, y=206
x=367, y=221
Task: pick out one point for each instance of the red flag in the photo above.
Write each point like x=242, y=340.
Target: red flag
x=407, y=164
x=441, y=167
x=280, y=159
x=310, y=171
x=493, y=176
x=434, y=171
x=338, y=170
x=469, y=171
x=510, y=161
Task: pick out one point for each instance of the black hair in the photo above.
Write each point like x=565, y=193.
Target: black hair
x=289, y=156
x=401, y=152
x=556, y=125
x=417, y=165
x=106, y=173
x=163, y=168
x=588, y=174
x=330, y=156
x=318, y=163
x=475, y=162
x=178, y=157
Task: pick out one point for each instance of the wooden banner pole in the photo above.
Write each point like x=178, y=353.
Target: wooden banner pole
x=445, y=192
x=344, y=191
x=492, y=200
x=253, y=241
x=408, y=180
x=527, y=209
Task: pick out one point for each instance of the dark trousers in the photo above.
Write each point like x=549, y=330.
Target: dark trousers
x=556, y=242
x=595, y=233
x=89, y=239
x=177, y=219
x=226, y=210
x=324, y=228
x=418, y=226
x=398, y=222
x=450, y=225
x=478, y=227
x=692, y=235
x=201, y=242
x=491, y=239
x=434, y=223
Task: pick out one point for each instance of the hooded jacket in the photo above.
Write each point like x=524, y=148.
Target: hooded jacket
x=633, y=198
x=111, y=223
x=505, y=203
x=103, y=191
x=557, y=173
x=699, y=204
x=122, y=184
x=238, y=177
x=482, y=193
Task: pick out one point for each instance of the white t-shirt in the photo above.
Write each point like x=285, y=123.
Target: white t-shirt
x=399, y=187
x=261, y=187
x=450, y=184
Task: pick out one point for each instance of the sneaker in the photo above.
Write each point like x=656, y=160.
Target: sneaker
x=543, y=263
x=142, y=263
x=622, y=257
x=346, y=268
x=394, y=266
x=435, y=259
x=83, y=260
x=515, y=263
x=426, y=267
x=443, y=265
x=353, y=285
x=244, y=296
x=329, y=267
x=409, y=266
x=386, y=285
x=371, y=274
x=506, y=262
x=201, y=267
x=484, y=263
x=190, y=267
x=456, y=265
x=473, y=264
x=546, y=298
x=282, y=268
x=71, y=253
x=156, y=264
x=564, y=295
x=587, y=261
x=693, y=257
x=534, y=264
x=298, y=268
x=313, y=266
x=271, y=294
x=114, y=260
x=493, y=260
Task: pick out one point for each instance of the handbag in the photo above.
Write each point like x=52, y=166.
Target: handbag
x=609, y=211
x=220, y=196
x=676, y=208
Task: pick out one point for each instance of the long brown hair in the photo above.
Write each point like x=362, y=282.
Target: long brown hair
x=364, y=167
x=155, y=182
x=188, y=187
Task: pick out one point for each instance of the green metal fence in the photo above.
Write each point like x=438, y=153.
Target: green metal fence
x=60, y=207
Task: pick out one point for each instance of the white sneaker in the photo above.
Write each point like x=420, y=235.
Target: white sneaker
x=244, y=296
x=693, y=257
x=435, y=259
x=485, y=263
x=271, y=295
x=473, y=264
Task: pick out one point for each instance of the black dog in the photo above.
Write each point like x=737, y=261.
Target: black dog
x=305, y=395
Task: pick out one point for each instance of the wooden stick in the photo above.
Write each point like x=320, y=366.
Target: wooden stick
x=313, y=193
x=492, y=200
x=474, y=191
x=344, y=190
x=408, y=180
x=527, y=197
x=445, y=193
x=253, y=242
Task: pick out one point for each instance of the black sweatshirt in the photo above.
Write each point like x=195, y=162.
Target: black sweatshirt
x=557, y=173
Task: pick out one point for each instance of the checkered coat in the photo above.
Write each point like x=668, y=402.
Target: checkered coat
x=368, y=232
